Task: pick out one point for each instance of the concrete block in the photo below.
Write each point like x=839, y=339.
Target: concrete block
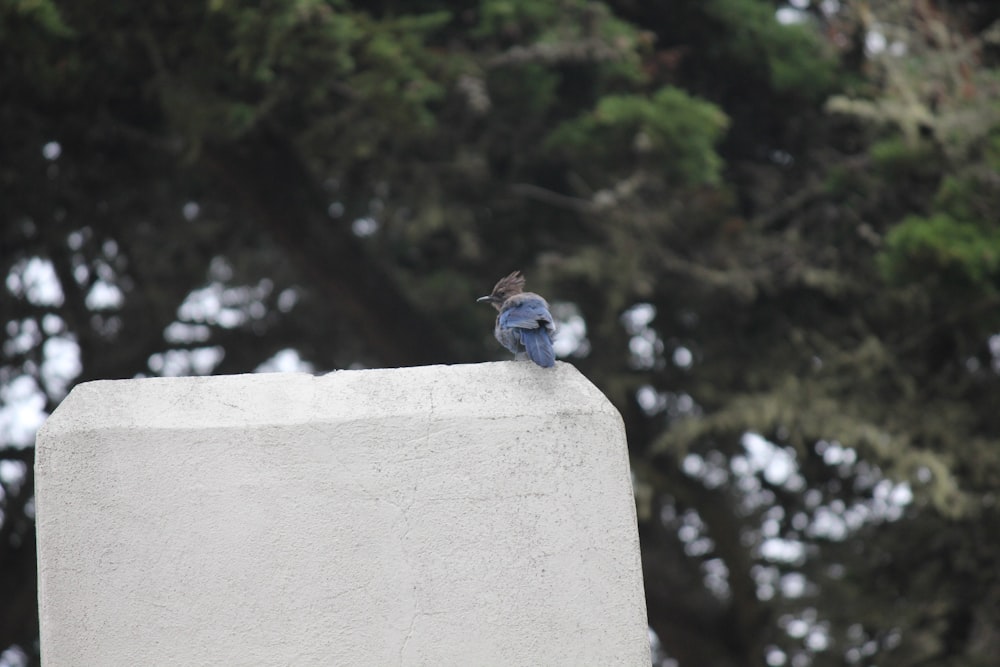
x=442, y=515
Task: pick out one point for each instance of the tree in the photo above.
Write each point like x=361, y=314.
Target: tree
x=773, y=245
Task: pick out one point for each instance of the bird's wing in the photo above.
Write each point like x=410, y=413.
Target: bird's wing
x=538, y=344
x=526, y=313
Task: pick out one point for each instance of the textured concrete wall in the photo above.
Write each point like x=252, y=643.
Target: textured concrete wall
x=445, y=515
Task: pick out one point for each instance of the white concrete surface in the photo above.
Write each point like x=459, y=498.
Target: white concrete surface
x=444, y=515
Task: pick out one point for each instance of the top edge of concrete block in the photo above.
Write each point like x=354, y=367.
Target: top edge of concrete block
x=487, y=390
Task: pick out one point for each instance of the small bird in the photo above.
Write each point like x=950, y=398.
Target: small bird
x=524, y=324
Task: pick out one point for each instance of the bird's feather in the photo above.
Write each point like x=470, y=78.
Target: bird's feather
x=526, y=311
x=538, y=344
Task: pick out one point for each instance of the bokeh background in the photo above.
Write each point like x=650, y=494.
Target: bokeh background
x=769, y=231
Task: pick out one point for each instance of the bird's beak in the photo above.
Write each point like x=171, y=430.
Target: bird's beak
x=486, y=299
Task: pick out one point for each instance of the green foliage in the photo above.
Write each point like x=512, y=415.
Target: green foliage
x=292, y=59
x=570, y=31
x=943, y=248
x=531, y=89
x=843, y=181
x=41, y=13
x=796, y=60
x=972, y=195
x=497, y=17
x=531, y=21
x=671, y=130
x=396, y=73
x=896, y=157
x=516, y=19
x=34, y=40
x=992, y=148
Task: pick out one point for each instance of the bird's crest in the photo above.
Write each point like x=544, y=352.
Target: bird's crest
x=509, y=286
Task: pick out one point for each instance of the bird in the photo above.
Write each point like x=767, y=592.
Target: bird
x=524, y=324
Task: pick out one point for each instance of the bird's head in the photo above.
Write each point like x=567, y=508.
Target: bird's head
x=505, y=288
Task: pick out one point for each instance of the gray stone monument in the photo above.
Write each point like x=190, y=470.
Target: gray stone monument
x=443, y=515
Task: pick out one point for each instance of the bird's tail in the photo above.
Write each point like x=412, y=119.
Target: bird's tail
x=538, y=344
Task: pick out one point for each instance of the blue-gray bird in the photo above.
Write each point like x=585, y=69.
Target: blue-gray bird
x=524, y=323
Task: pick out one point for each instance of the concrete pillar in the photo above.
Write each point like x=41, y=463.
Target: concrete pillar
x=443, y=515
